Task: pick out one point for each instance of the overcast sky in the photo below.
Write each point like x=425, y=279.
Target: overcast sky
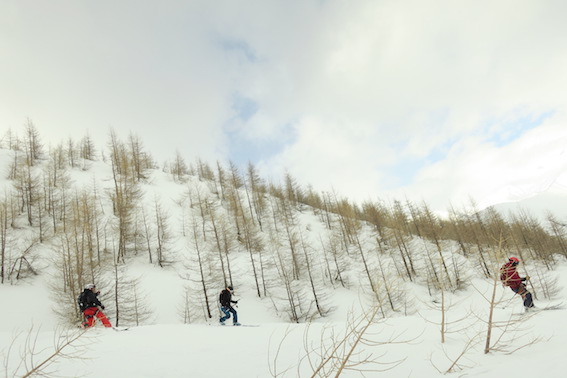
x=432, y=100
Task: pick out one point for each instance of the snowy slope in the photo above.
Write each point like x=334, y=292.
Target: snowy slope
x=178, y=350
x=407, y=343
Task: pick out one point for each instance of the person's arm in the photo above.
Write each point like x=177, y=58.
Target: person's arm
x=515, y=279
x=97, y=301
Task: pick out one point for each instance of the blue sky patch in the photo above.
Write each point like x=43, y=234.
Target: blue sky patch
x=244, y=107
x=403, y=173
x=512, y=130
x=242, y=47
x=242, y=150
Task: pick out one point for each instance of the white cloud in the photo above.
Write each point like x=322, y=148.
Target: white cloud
x=364, y=86
x=419, y=77
x=490, y=174
x=333, y=155
x=71, y=66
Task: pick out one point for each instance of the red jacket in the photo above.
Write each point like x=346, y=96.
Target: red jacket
x=509, y=276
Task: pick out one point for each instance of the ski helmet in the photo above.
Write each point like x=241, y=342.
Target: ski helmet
x=514, y=260
x=90, y=286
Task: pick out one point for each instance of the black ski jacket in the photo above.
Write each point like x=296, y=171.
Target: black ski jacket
x=225, y=298
x=88, y=299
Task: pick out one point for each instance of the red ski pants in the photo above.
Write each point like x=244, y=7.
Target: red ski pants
x=90, y=314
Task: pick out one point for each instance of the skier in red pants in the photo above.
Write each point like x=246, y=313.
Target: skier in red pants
x=91, y=307
x=511, y=278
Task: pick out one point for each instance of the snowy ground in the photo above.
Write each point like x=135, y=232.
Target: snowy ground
x=407, y=345
x=171, y=349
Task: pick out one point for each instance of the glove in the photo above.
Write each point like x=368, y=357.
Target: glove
x=527, y=278
x=236, y=302
x=102, y=307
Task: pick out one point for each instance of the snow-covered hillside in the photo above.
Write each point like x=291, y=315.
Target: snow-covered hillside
x=409, y=345
x=305, y=278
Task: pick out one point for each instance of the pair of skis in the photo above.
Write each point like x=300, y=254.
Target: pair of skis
x=117, y=329
x=549, y=307
x=557, y=306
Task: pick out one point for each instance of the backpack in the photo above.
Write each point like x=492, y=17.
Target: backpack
x=506, y=274
x=82, y=301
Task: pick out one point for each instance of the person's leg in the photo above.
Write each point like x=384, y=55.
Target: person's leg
x=526, y=296
x=89, y=314
x=103, y=319
x=89, y=321
x=226, y=314
x=528, y=301
x=234, y=316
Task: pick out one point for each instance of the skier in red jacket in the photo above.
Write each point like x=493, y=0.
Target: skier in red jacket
x=510, y=277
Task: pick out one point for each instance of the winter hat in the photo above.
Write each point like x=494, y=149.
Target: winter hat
x=514, y=260
x=90, y=286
